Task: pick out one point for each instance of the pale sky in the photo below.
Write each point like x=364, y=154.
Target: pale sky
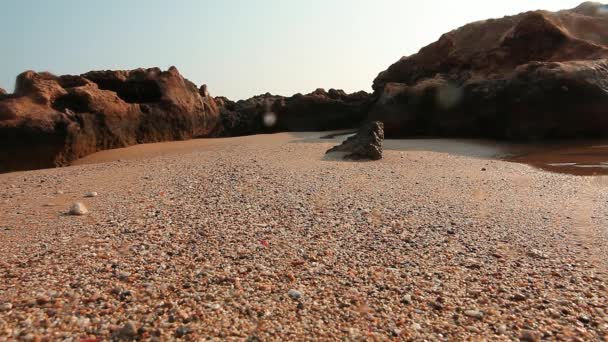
x=240, y=48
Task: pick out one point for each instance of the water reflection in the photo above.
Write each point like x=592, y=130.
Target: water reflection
x=581, y=158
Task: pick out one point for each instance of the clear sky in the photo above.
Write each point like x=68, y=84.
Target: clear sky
x=239, y=48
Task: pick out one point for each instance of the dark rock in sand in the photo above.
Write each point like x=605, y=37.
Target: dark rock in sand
x=366, y=144
x=317, y=111
x=50, y=121
x=536, y=75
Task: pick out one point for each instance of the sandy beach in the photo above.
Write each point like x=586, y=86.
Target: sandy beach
x=267, y=238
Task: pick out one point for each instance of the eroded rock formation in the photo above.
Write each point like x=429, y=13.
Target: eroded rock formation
x=536, y=75
x=52, y=120
x=366, y=144
x=318, y=111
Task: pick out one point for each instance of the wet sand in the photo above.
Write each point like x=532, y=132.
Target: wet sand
x=268, y=238
x=464, y=147
x=580, y=158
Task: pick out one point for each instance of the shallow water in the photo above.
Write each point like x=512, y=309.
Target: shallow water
x=581, y=158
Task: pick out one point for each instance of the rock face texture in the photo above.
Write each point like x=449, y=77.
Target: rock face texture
x=366, y=144
x=52, y=120
x=536, y=75
x=318, y=111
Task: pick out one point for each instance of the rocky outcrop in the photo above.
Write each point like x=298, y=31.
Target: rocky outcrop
x=318, y=111
x=536, y=75
x=2, y=92
x=52, y=120
x=366, y=144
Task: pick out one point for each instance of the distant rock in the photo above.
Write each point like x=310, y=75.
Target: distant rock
x=78, y=209
x=535, y=75
x=52, y=120
x=366, y=144
x=317, y=111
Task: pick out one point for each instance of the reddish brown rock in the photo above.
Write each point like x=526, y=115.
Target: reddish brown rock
x=2, y=92
x=51, y=120
x=536, y=75
x=42, y=87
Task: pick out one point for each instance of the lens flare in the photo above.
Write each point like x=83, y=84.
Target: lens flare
x=270, y=119
x=449, y=96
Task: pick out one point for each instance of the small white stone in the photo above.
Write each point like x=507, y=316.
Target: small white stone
x=294, y=294
x=90, y=194
x=6, y=306
x=78, y=209
x=474, y=314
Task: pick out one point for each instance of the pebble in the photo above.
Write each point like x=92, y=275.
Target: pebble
x=43, y=300
x=407, y=299
x=124, y=275
x=535, y=253
x=6, y=306
x=78, y=209
x=529, y=336
x=294, y=294
x=518, y=297
x=474, y=314
x=127, y=332
x=90, y=194
x=182, y=331
x=584, y=319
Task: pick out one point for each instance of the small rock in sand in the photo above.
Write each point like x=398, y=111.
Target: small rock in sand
x=535, y=253
x=474, y=314
x=78, y=209
x=127, y=332
x=90, y=194
x=6, y=307
x=529, y=336
x=182, y=331
x=294, y=294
